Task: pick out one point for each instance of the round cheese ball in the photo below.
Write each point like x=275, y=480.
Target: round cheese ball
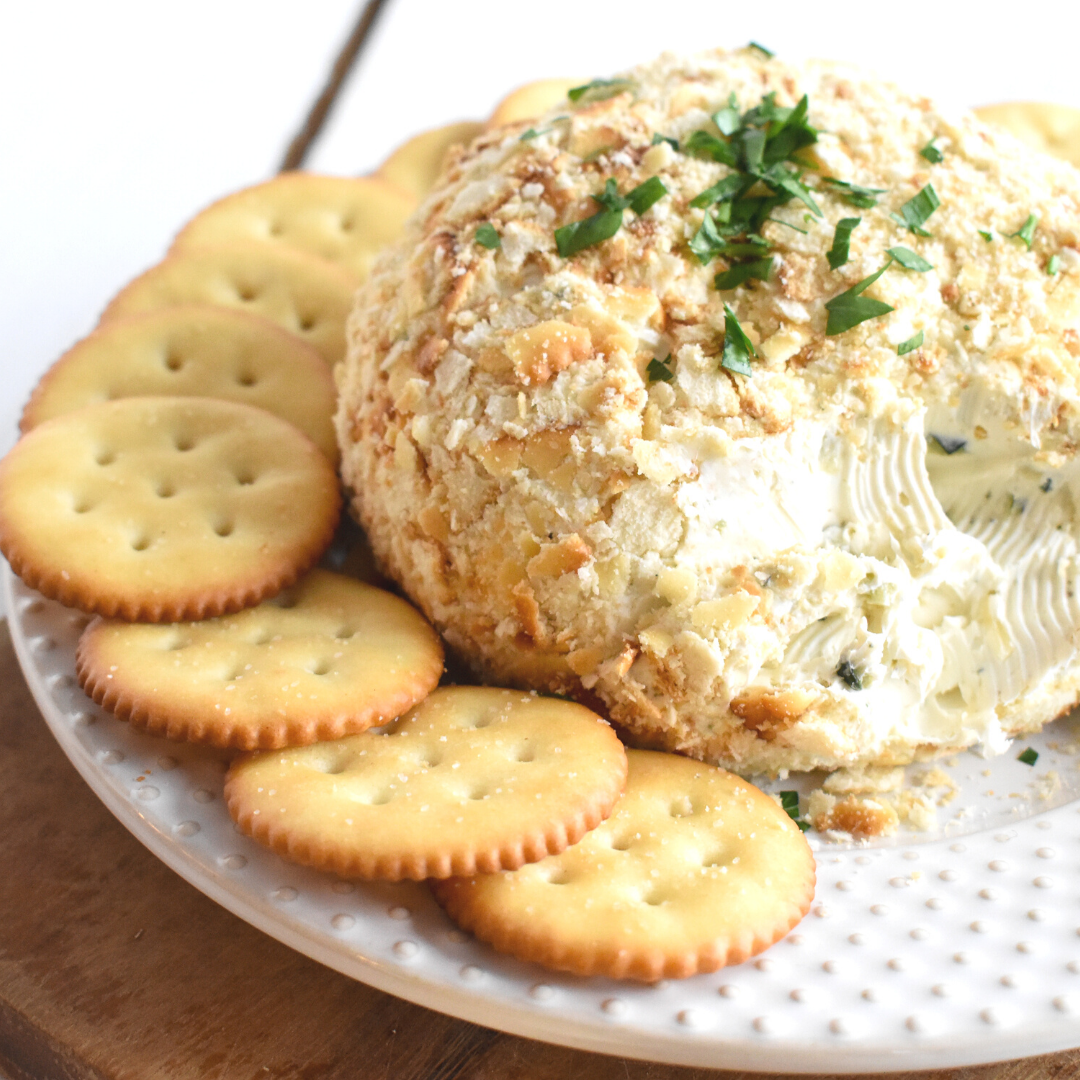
x=630, y=412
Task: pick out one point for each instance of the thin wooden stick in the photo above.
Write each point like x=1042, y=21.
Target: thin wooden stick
x=316, y=117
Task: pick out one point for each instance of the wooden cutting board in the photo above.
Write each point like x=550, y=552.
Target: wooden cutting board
x=113, y=967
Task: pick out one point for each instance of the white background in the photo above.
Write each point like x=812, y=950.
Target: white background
x=121, y=118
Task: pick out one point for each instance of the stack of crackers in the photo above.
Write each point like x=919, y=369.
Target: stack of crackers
x=176, y=478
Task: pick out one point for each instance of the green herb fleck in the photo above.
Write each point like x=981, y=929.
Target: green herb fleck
x=789, y=803
x=949, y=443
x=850, y=307
x=932, y=153
x=1054, y=265
x=912, y=343
x=658, y=138
x=910, y=260
x=853, y=194
x=841, y=244
x=532, y=133
x=599, y=89
x=768, y=54
x=1047, y=485
x=728, y=119
x=917, y=210
x=788, y=225
x=986, y=235
x=1028, y=757
x=738, y=348
x=660, y=370
x=486, y=236
x=1026, y=232
x=705, y=144
x=847, y=672
x=740, y=273
x=605, y=223
x=730, y=187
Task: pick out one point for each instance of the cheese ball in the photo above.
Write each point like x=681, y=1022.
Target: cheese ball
x=634, y=417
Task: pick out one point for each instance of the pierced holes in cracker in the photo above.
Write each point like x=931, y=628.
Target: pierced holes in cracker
x=140, y=542
x=478, y=794
x=306, y=322
x=245, y=477
x=555, y=875
x=718, y=858
x=165, y=489
x=173, y=361
x=82, y=505
x=285, y=600
x=260, y=637
x=344, y=633
x=429, y=759
x=246, y=293
x=246, y=378
x=104, y=456
x=621, y=843
x=346, y=224
x=681, y=807
x=176, y=642
x=321, y=667
x=275, y=228
x=223, y=528
x=653, y=897
x=381, y=798
x=184, y=443
x=525, y=753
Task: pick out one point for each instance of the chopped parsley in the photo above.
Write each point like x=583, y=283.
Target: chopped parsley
x=1026, y=232
x=767, y=53
x=738, y=348
x=1028, y=757
x=532, y=133
x=486, y=236
x=789, y=803
x=949, y=443
x=705, y=144
x=932, y=153
x=660, y=370
x=847, y=672
x=1047, y=485
x=599, y=90
x=725, y=190
x=658, y=138
x=910, y=260
x=740, y=273
x=1054, y=265
x=727, y=119
x=854, y=194
x=986, y=235
x=840, y=250
x=917, y=210
x=605, y=223
x=914, y=342
x=850, y=307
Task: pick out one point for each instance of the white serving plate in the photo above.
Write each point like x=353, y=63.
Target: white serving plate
x=926, y=951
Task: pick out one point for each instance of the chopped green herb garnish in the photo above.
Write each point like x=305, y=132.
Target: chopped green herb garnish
x=850, y=307
x=761, y=49
x=915, y=212
x=704, y=144
x=949, y=443
x=659, y=370
x=740, y=273
x=1054, y=265
x=728, y=119
x=782, y=178
x=914, y=342
x=788, y=225
x=1026, y=232
x=604, y=224
x=646, y=194
x=486, y=236
x=847, y=672
x=599, y=89
x=932, y=153
x=1047, y=485
x=1028, y=757
x=730, y=187
x=658, y=138
x=986, y=235
x=840, y=250
x=910, y=260
x=789, y=803
x=853, y=194
x=738, y=348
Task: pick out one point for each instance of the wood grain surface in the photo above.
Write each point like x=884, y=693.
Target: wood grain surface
x=113, y=967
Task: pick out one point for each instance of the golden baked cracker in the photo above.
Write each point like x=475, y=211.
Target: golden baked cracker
x=160, y=509
x=194, y=350
x=472, y=779
x=307, y=295
x=531, y=100
x=695, y=869
x=328, y=657
x=1054, y=129
x=415, y=165
x=345, y=219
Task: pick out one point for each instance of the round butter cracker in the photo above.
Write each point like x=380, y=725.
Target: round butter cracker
x=194, y=350
x=328, y=657
x=472, y=779
x=531, y=100
x=695, y=869
x=1053, y=129
x=341, y=218
x=160, y=509
x=415, y=165
x=307, y=295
